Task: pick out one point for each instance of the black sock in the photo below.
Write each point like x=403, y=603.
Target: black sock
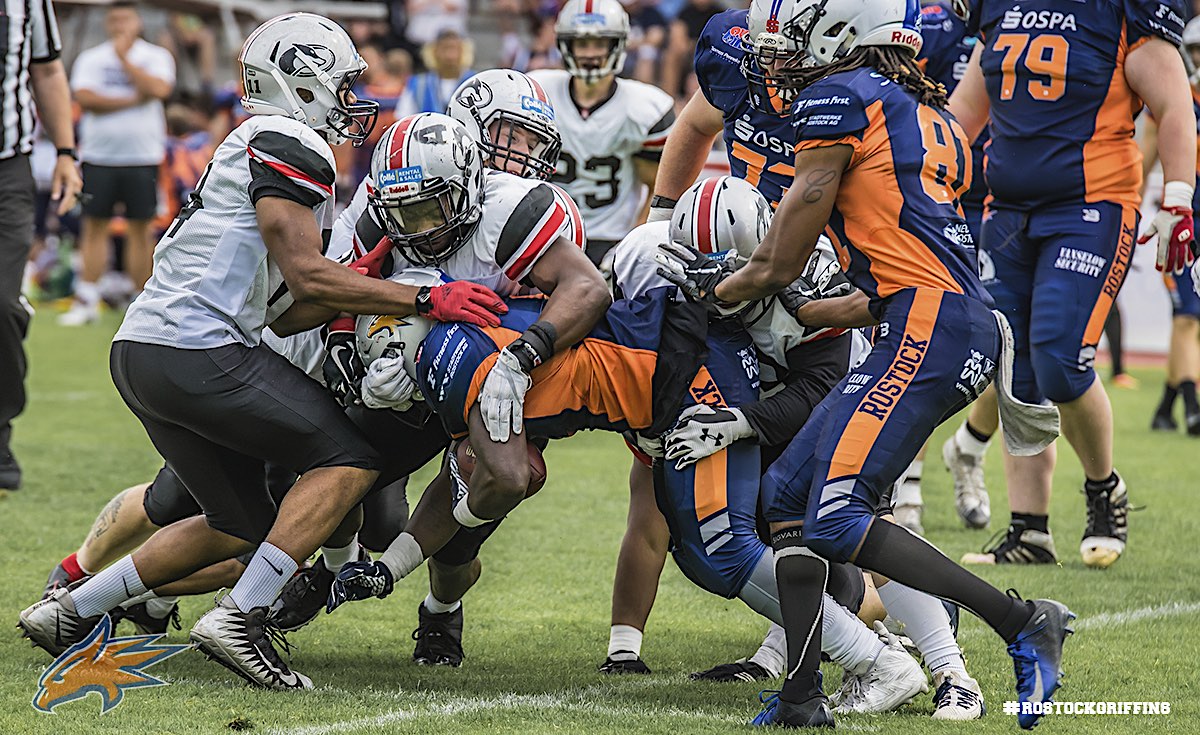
x=801, y=580
x=1167, y=404
x=1187, y=389
x=899, y=555
x=1101, y=486
x=977, y=433
x=1112, y=331
x=1032, y=522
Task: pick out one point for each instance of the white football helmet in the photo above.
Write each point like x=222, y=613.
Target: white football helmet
x=787, y=38
x=426, y=186
x=721, y=214
x=398, y=336
x=302, y=66
x=1191, y=49
x=581, y=19
x=495, y=106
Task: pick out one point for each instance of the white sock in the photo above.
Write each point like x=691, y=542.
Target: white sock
x=624, y=639
x=967, y=442
x=87, y=293
x=268, y=571
x=336, y=558
x=908, y=490
x=772, y=654
x=846, y=640
x=160, y=607
x=403, y=556
x=108, y=589
x=437, y=607
x=464, y=516
x=926, y=623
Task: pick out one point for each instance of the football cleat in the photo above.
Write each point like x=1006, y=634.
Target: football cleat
x=892, y=681
x=776, y=712
x=1164, y=422
x=1037, y=655
x=60, y=578
x=242, y=642
x=1107, y=526
x=740, y=670
x=957, y=696
x=359, y=580
x=438, y=637
x=306, y=593
x=970, y=493
x=1019, y=545
x=909, y=516
x=144, y=621
x=624, y=665
x=1193, y=423
x=53, y=625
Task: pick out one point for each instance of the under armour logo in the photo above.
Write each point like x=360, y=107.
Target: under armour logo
x=717, y=437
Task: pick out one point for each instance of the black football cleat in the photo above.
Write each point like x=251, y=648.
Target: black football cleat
x=624, y=665
x=144, y=622
x=439, y=638
x=740, y=670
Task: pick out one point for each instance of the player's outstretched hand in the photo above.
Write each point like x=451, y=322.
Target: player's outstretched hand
x=696, y=274
x=703, y=431
x=502, y=398
x=1176, y=235
x=461, y=301
x=359, y=580
x=387, y=385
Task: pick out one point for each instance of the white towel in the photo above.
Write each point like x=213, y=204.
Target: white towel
x=1028, y=428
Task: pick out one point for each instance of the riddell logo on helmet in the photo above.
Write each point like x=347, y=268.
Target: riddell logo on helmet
x=906, y=38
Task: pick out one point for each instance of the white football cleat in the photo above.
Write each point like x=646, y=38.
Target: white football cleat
x=892, y=681
x=80, y=314
x=970, y=493
x=53, y=625
x=241, y=642
x=1107, y=527
x=956, y=697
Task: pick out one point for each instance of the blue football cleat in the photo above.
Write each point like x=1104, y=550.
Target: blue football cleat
x=776, y=712
x=1037, y=657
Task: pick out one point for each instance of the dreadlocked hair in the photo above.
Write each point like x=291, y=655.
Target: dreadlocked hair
x=897, y=64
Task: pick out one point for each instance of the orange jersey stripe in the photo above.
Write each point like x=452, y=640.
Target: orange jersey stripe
x=1112, y=163
x=1114, y=278
x=861, y=432
x=710, y=485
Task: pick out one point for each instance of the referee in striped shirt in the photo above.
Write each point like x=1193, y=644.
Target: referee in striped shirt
x=32, y=77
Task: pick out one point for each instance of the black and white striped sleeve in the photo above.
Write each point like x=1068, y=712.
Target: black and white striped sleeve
x=282, y=166
x=45, y=42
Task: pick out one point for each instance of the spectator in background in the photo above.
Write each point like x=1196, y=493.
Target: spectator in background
x=194, y=44
x=647, y=35
x=681, y=46
x=120, y=85
x=428, y=19
x=449, y=62
x=31, y=65
x=189, y=147
x=384, y=81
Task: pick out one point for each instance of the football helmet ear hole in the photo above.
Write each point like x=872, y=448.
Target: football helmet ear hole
x=305, y=94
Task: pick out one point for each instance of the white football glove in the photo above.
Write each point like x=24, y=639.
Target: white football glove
x=387, y=385
x=1196, y=276
x=703, y=431
x=502, y=398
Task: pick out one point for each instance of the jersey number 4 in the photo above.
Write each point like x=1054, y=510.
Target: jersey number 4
x=1043, y=56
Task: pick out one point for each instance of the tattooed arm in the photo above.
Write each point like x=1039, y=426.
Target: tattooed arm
x=800, y=219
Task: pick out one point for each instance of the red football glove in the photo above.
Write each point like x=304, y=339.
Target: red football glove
x=371, y=263
x=461, y=301
x=1174, y=229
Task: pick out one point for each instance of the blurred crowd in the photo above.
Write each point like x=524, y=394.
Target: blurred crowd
x=145, y=147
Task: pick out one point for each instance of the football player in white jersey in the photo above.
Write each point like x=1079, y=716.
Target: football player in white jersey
x=613, y=130
x=245, y=253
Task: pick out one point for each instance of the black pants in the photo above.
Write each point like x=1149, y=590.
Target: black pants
x=16, y=237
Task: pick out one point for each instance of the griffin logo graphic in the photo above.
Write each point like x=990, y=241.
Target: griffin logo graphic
x=386, y=322
x=102, y=664
x=304, y=59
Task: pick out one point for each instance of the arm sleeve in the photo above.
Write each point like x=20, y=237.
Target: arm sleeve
x=830, y=114
x=814, y=368
x=44, y=41
x=282, y=166
x=1145, y=19
x=535, y=223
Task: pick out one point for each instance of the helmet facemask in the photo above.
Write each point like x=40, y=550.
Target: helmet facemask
x=520, y=146
x=428, y=226
x=610, y=63
x=355, y=120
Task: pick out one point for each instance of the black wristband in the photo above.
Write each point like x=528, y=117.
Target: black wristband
x=424, y=300
x=68, y=152
x=659, y=200
x=535, y=345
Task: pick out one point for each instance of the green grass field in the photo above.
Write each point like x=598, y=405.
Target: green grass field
x=537, y=623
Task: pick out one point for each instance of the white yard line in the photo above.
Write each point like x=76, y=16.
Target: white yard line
x=577, y=701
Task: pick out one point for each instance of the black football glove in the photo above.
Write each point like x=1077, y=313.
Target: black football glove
x=343, y=367
x=696, y=274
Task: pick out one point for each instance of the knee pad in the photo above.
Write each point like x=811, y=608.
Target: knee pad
x=846, y=586
x=385, y=515
x=1062, y=377
x=167, y=500
x=836, y=526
